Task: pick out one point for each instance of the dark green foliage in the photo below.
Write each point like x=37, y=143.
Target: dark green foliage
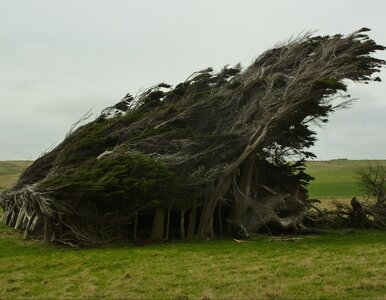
x=124, y=104
x=330, y=85
x=91, y=141
x=125, y=182
x=286, y=175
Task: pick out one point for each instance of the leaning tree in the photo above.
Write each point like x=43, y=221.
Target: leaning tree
x=220, y=153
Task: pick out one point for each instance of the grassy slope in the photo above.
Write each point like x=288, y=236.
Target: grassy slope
x=336, y=178
x=10, y=171
x=329, y=266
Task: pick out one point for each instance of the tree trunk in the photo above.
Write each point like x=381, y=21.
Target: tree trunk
x=20, y=218
x=192, y=222
x=359, y=213
x=157, y=230
x=223, y=184
x=220, y=219
x=135, y=225
x=47, y=230
x=168, y=224
x=205, y=229
x=242, y=187
x=58, y=230
x=182, y=224
x=27, y=229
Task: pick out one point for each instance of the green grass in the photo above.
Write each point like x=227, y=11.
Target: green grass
x=330, y=266
x=336, y=178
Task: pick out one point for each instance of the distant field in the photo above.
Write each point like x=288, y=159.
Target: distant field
x=336, y=178
x=10, y=172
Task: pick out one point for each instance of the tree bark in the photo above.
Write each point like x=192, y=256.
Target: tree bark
x=192, y=222
x=58, y=230
x=20, y=218
x=182, y=224
x=47, y=230
x=157, y=230
x=135, y=225
x=168, y=224
x=205, y=229
x=223, y=184
x=359, y=213
x=27, y=229
x=220, y=219
x=242, y=187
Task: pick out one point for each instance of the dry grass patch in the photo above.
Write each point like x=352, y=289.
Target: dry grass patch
x=331, y=202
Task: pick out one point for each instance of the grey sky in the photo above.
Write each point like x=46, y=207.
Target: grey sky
x=61, y=58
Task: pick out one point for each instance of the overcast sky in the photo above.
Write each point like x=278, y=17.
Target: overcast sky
x=60, y=58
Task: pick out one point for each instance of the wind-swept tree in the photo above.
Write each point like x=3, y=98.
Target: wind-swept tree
x=214, y=154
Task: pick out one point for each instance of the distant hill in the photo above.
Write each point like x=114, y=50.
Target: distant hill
x=10, y=172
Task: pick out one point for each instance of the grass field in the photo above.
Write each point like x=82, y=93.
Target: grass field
x=336, y=178
x=330, y=266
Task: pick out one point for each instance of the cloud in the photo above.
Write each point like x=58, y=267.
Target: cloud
x=357, y=132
